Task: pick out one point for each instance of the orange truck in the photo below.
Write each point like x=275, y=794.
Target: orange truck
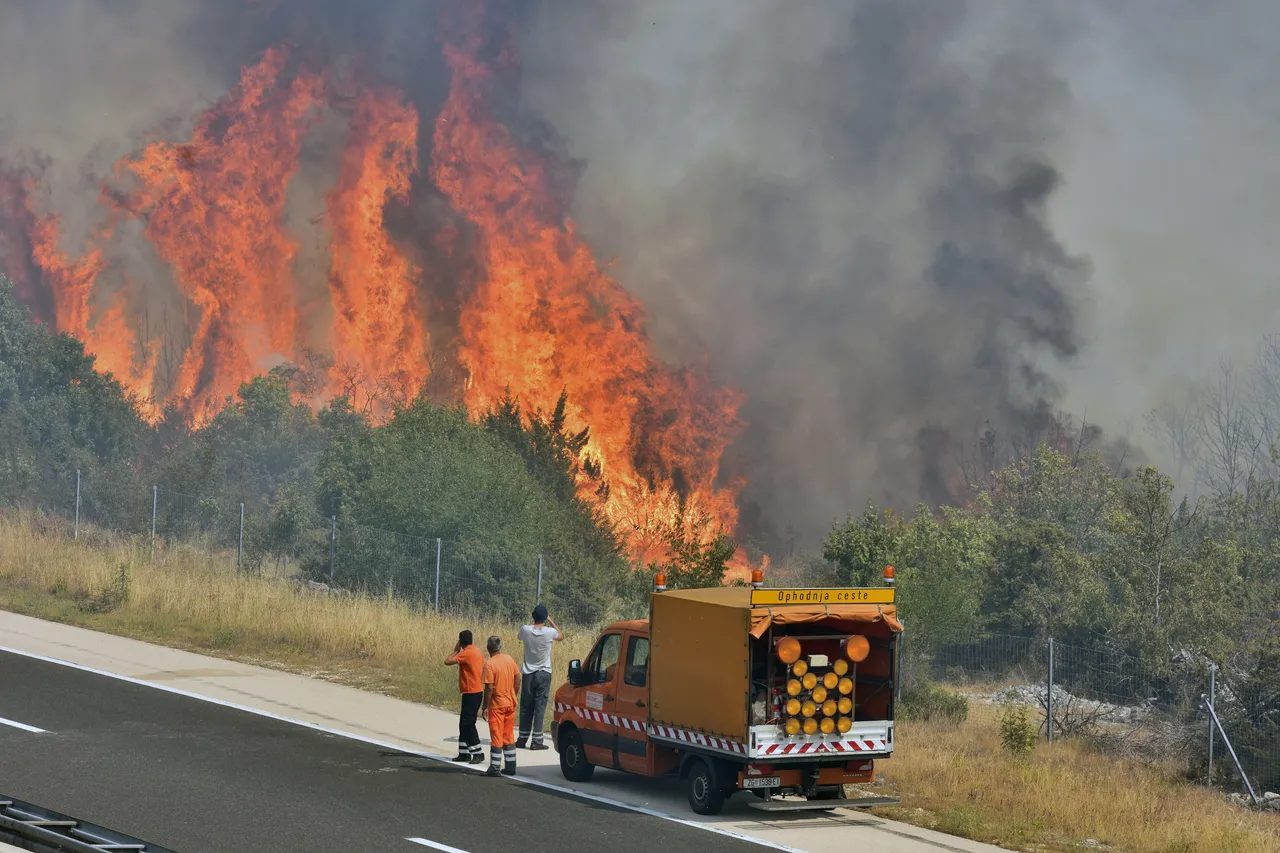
x=778, y=692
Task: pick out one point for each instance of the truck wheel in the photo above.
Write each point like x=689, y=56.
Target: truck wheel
x=705, y=797
x=573, y=758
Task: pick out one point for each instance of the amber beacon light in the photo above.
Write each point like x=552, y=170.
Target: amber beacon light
x=788, y=650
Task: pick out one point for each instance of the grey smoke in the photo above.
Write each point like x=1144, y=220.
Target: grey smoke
x=845, y=204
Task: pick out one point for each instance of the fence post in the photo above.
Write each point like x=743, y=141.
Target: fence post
x=538, y=598
x=333, y=540
x=437, y=599
x=155, y=493
x=1049, y=698
x=1212, y=698
x=240, y=542
x=1231, y=750
x=897, y=662
x=76, y=534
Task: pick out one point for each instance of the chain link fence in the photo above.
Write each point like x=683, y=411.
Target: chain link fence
x=288, y=542
x=1155, y=709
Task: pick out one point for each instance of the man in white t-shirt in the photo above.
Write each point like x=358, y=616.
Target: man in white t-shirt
x=535, y=671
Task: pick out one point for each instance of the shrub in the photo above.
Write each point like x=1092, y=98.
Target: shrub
x=924, y=701
x=1017, y=731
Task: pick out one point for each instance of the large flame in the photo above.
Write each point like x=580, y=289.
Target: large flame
x=378, y=328
x=546, y=318
x=214, y=211
x=541, y=317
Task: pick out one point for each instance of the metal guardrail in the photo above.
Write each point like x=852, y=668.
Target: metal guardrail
x=39, y=829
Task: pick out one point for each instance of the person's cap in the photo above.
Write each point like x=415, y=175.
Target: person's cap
x=540, y=613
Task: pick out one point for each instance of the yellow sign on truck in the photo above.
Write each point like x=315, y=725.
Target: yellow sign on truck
x=774, y=691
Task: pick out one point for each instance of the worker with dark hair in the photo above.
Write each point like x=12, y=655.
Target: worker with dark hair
x=536, y=671
x=470, y=663
x=501, y=687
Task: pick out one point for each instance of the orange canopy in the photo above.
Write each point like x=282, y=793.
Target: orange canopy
x=850, y=614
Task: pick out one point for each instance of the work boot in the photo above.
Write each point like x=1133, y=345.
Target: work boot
x=477, y=759
x=493, y=771
x=538, y=746
x=463, y=758
x=522, y=744
x=509, y=770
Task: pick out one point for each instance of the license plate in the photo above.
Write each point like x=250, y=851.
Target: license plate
x=762, y=782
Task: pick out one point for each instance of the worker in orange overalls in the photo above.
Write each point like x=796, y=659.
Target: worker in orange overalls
x=501, y=695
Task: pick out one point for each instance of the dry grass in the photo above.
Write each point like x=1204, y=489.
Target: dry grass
x=196, y=601
x=959, y=780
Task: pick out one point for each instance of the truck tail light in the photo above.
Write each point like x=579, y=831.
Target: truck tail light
x=858, y=766
x=759, y=769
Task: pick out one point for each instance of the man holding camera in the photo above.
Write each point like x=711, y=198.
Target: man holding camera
x=536, y=671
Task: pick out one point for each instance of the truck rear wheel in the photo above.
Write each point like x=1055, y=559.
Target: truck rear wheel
x=705, y=795
x=573, y=758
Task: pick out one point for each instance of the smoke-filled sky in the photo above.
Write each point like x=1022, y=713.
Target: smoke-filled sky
x=886, y=221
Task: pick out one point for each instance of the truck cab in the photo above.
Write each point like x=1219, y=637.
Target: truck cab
x=605, y=702
x=718, y=688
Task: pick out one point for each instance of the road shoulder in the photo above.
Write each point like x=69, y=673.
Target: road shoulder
x=432, y=733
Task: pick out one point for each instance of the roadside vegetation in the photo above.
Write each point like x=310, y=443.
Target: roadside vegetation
x=950, y=767
x=191, y=599
x=960, y=779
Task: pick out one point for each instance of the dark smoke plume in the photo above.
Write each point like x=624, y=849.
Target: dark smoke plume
x=841, y=203
x=845, y=203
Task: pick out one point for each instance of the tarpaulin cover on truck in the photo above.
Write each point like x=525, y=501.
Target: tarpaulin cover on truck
x=853, y=617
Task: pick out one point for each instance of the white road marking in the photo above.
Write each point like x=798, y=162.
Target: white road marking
x=23, y=726
x=436, y=844
x=525, y=780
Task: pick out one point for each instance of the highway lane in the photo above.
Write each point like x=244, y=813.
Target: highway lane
x=194, y=776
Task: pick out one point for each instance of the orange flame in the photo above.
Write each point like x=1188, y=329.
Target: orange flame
x=377, y=326
x=109, y=338
x=542, y=316
x=546, y=318
x=214, y=210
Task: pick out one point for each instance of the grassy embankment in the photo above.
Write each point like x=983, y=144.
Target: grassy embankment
x=956, y=779
x=189, y=599
x=959, y=780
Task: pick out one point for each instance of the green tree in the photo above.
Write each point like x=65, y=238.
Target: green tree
x=59, y=414
x=941, y=561
x=700, y=552
x=430, y=472
x=862, y=547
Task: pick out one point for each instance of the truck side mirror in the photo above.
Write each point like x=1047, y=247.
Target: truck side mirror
x=575, y=672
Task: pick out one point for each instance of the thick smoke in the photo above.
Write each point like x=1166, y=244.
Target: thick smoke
x=842, y=204
x=845, y=203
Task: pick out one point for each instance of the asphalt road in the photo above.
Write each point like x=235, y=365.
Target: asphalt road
x=196, y=777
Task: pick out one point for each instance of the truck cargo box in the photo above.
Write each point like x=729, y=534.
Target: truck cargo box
x=699, y=660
